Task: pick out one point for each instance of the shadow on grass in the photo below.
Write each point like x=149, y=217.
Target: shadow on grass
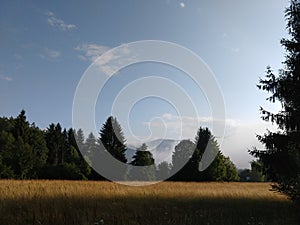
x=66, y=210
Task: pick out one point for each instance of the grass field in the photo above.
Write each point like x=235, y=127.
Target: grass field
x=104, y=203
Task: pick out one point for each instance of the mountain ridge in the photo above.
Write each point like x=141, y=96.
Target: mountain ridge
x=162, y=149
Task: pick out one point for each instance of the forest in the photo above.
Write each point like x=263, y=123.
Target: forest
x=27, y=152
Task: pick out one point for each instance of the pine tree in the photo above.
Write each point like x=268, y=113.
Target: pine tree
x=142, y=157
x=90, y=146
x=186, y=148
x=145, y=161
x=80, y=141
x=112, y=138
x=56, y=144
x=5, y=171
x=182, y=167
x=28, y=148
x=256, y=173
x=76, y=151
x=7, y=145
x=216, y=170
x=163, y=170
x=221, y=168
x=231, y=170
x=281, y=158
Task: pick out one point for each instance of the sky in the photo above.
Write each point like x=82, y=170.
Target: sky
x=46, y=47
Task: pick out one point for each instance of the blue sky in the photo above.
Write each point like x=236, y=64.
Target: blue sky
x=45, y=47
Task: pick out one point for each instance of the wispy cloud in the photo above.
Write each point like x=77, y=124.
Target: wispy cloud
x=182, y=127
x=189, y=120
x=50, y=54
x=53, y=21
x=90, y=51
x=109, y=62
x=182, y=4
x=6, y=78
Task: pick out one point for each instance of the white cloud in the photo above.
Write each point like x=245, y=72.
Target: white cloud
x=167, y=116
x=109, y=62
x=243, y=138
x=53, y=21
x=91, y=51
x=50, y=54
x=185, y=127
x=182, y=5
x=6, y=78
x=189, y=120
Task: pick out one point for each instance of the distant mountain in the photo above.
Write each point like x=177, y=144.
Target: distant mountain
x=162, y=150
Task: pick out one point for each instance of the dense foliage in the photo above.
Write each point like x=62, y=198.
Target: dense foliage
x=143, y=158
x=112, y=138
x=27, y=152
x=221, y=169
x=281, y=158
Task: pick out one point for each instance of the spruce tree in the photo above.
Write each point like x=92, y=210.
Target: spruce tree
x=28, y=151
x=112, y=138
x=281, y=156
x=56, y=144
x=90, y=146
x=220, y=169
x=143, y=159
x=182, y=167
x=163, y=170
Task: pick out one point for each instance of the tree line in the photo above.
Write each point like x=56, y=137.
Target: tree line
x=27, y=152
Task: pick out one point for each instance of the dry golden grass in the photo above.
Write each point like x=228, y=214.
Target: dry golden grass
x=11, y=189
x=88, y=202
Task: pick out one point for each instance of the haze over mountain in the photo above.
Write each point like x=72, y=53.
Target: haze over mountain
x=162, y=149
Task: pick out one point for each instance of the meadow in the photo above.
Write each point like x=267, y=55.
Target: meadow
x=43, y=202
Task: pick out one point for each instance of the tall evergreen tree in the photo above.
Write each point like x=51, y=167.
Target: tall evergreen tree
x=163, y=170
x=76, y=150
x=72, y=144
x=216, y=170
x=56, y=144
x=113, y=140
x=231, y=170
x=5, y=171
x=79, y=136
x=190, y=171
x=22, y=147
x=256, y=173
x=144, y=159
x=221, y=169
x=90, y=146
x=30, y=148
x=181, y=161
x=7, y=148
x=39, y=150
x=281, y=158
x=202, y=139
x=65, y=160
